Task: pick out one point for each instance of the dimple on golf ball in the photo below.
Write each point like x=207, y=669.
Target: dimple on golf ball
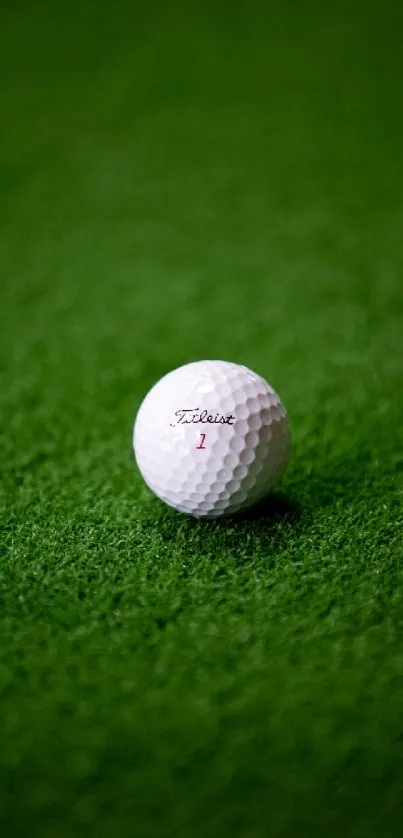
x=211, y=438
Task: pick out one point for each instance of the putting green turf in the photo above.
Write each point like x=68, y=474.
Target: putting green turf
x=183, y=183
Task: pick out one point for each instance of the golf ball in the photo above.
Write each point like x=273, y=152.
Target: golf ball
x=211, y=438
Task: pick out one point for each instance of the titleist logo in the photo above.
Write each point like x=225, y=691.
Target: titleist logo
x=195, y=416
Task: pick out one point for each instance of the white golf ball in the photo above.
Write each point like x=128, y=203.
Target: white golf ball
x=211, y=438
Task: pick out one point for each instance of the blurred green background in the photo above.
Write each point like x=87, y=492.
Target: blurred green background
x=183, y=181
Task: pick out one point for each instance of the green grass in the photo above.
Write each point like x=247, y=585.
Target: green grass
x=196, y=181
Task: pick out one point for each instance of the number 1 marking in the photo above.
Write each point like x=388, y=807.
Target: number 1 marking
x=201, y=446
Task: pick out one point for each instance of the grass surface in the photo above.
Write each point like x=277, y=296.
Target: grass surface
x=182, y=183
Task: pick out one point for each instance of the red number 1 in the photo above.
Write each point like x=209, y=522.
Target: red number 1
x=201, y=446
